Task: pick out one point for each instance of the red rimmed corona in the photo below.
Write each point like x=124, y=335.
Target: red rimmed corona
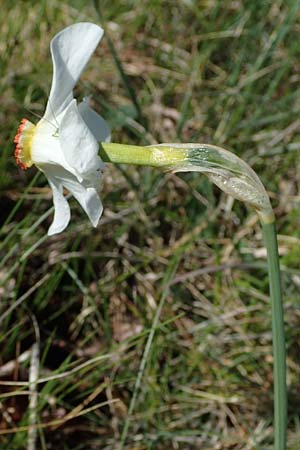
x=23, y=141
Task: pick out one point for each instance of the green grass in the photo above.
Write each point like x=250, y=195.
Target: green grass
x=225, y=73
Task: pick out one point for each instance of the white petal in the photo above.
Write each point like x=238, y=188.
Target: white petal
x=70, y=49
x=78, y=144
x=61, y=207
x=97, y=125
x=88, y=198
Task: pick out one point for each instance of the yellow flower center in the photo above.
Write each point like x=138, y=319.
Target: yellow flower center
x=23, y=141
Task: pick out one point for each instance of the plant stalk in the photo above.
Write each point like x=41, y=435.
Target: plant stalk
x=153, y=156
x=236, y=178
x=278, y=336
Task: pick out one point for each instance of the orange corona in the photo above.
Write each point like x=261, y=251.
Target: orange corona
x=23, y=141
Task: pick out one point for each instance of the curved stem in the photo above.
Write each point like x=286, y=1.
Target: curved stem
x=278, y=336
x=236, y=178
x=229, y=172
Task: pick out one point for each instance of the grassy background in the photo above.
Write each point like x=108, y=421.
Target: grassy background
x=222, y=72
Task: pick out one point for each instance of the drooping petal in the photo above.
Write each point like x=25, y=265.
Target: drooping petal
x=88, y=198
x=78, y=144
x=86, y=195
x=97, y=125
x=61, y=207
x=70, y=49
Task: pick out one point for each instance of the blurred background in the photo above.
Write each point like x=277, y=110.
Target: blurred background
x=86, y=300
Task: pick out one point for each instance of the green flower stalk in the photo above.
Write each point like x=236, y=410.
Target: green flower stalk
x=226, y=170
x=233, y=176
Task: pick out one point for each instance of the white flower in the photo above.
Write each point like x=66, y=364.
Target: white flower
x=64, y=143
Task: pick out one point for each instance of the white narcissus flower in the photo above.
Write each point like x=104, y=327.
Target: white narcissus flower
x=64, y=143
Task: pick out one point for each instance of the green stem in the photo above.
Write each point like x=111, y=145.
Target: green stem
x=155, y=156
x=237, y=179
x=231, y=174
x=280, y=395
